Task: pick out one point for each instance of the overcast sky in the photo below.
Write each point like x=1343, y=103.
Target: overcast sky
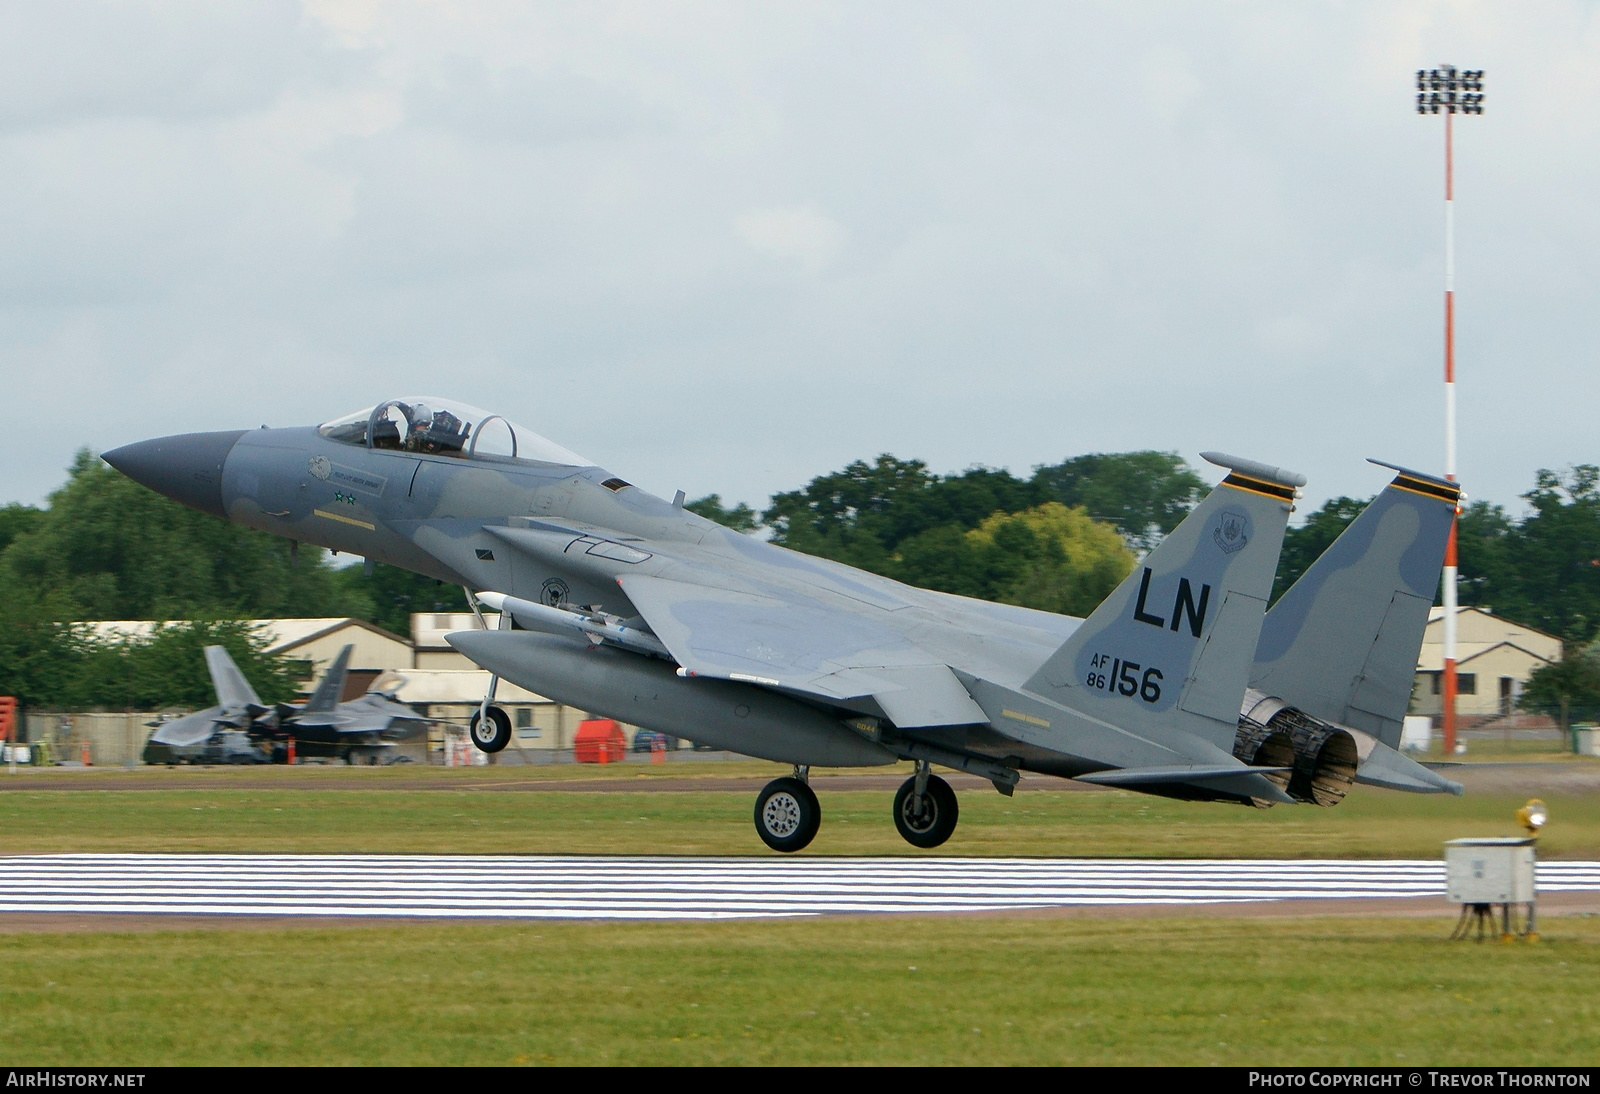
x=728, y=247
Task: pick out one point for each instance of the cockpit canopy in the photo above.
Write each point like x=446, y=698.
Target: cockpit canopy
x=444, y=427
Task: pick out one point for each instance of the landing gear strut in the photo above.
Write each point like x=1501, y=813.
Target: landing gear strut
x=787, y=813
x=925, y=808
x=490, y=729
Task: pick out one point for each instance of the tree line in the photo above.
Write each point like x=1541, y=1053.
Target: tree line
x=107, y=548
x=1059, y=540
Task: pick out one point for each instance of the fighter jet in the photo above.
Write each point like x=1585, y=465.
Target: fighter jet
x=219, y=734
x=625, y=604
x=242, y=729
x=363, y=730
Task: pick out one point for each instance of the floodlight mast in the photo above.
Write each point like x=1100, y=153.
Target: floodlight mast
x=1449, y=91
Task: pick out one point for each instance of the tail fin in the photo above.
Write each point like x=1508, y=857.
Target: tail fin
x=1342, y=643
x=233, y=690
x=1171, y=648
x=331, y=686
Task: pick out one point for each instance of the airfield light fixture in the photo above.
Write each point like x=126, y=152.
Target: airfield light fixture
x=1450, y=91
x=1533, y=816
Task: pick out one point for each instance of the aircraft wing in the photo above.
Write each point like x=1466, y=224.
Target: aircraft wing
x=368, y=714
x=782, y=638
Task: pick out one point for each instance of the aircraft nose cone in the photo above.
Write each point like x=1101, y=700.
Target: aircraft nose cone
x=186, y=468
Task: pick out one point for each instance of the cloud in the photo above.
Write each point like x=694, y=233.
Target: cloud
x=728, y=247
x=521, y=105
x=75, y=61
x=798, y=233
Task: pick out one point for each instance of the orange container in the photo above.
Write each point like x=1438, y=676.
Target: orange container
x=599, y=741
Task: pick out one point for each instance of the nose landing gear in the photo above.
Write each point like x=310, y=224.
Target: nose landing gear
x=787, y=814
x=491, y=729
x=925, y=808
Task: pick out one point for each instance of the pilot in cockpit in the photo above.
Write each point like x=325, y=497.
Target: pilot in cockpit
x=438, y=432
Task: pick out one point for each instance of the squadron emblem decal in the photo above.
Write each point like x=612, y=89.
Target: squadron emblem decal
x=320, y=467
x=554, y=592
x=1232, y=531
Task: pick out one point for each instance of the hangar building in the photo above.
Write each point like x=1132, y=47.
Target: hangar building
x=1494, y=658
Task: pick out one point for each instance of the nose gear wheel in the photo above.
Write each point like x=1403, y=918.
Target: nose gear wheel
x=493, y=733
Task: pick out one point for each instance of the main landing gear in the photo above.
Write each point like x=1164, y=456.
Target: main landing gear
x=788, y=816
x=787, y=813
x=925, y=808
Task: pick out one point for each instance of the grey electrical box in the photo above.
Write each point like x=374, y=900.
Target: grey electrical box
x=1489, y=871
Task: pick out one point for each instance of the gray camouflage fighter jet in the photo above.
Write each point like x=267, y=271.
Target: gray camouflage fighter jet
x=242, y=729
x=625, y=604
x=363, y=730
x=216, y=735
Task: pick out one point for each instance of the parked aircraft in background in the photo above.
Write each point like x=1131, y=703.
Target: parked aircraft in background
x=219, y=734
x=362, y=730
x=243, y=729
x=625, y=604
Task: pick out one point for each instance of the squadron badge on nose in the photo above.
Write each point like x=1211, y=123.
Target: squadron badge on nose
x=320, y=467
x=554, y=592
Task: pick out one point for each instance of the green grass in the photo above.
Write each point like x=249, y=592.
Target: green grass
x=1016, y=988
x=1517, y=747
x=890, y=990
x=478, y=811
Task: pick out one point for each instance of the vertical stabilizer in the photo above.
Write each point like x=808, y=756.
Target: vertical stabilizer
x=233, y=690
x=331, y=686
x=1342, y=643
x=1171, y=648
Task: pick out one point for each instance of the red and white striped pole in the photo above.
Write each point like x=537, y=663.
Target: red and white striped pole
x=1450, y=431
x=1446, y=91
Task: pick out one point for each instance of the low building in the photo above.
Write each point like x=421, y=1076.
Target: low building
x=316, y=642
x=313, y=642
x=427, y=637
x=1494, y=659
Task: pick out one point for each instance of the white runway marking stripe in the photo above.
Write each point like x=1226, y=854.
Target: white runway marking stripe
x=554, y=887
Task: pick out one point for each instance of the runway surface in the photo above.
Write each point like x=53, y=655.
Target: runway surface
x=553, y=887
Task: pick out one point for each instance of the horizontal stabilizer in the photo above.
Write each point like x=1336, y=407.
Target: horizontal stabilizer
x=1138, y=776
x=1233, y=779
x=1389, y=769
x=193, y=729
